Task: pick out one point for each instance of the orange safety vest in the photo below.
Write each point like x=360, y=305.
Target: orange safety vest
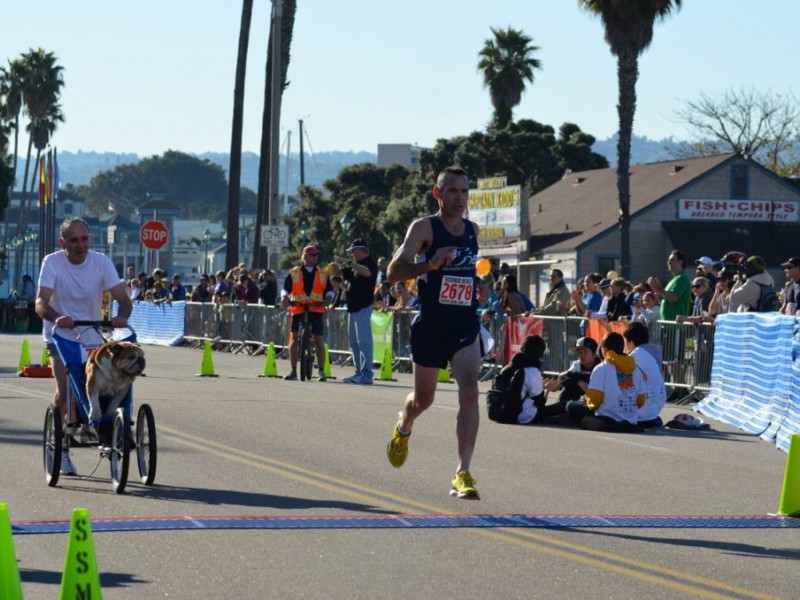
x=299, y=297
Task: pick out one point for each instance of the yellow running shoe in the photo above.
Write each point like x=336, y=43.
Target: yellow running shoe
x=464, y=486
x=397, y=449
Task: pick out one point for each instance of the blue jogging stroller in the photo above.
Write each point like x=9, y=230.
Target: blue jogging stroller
x=113, y=434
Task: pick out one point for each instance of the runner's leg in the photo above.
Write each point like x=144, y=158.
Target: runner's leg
x=421, y=398
x=466, y=365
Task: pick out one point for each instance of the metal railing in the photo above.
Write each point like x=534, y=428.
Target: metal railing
x=687, y=350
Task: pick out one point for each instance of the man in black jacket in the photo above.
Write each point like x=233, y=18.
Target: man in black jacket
x=360, y=272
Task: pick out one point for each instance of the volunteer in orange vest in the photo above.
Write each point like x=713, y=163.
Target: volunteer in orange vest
x=307, y=285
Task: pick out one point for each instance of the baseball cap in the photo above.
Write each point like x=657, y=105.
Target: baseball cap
x=203, y=277
x=310, y=250
x=733, y=257
x=704, y=260
x=756, y=263
x=586, y=342
x=604, y=283
x=792, y=262
x=357, y=243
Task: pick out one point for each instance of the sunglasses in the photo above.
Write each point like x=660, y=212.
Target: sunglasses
x=697, y=286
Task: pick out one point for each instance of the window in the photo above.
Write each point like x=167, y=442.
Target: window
x=739, y=182
x=606, y=264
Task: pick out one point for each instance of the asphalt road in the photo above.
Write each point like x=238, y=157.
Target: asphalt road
x=311, y=458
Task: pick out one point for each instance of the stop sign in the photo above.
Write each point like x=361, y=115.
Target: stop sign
x=154, y=235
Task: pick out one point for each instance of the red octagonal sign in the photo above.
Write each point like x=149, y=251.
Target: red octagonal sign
x=154, y=235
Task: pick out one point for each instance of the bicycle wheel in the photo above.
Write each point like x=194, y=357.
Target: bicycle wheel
x=146, y=446
x=120, y=452
x=53, y=444
x=306, y=357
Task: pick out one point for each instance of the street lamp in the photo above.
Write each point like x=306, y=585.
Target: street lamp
x=345, y=223
x=304, y=228
x=206, y=239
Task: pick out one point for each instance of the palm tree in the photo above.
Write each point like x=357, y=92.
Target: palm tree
x=289, y=8
x=628, y=31
x=11, y=90
x=41, y=89
x=506, y=63
x=235, y=167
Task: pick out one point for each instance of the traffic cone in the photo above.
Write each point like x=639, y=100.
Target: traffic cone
x=270, y=366
x=10, y=583
x=45, y=357
x=386, y=365
x=790, y=496
x=444, y=375
x=24, y=356
x=207, y=367
x=326, y=369
x=80, y=578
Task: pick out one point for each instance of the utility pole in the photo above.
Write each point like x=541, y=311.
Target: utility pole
x=275, y=120
x=302, y=157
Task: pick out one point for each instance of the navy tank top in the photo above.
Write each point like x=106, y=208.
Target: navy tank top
x=449, y=294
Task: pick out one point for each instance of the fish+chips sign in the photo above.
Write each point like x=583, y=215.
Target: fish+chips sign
x=780, y=211
x=495, y=207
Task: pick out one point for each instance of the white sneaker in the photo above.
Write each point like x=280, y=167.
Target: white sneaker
x=67, y=468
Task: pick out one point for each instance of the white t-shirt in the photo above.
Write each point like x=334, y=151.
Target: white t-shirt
x=653, y=384
x=619, y=392
x=77, y=289
x=532, y=386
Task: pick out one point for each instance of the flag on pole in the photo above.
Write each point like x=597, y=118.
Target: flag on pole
x=55, y=182
x=42, y=181
x=49, y=189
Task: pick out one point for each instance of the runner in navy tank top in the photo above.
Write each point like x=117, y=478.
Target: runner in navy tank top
x=441, y=252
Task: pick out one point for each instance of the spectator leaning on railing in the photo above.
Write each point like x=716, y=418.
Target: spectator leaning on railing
x=676, y=297
x=792, y=292
x=747, y=287
x=556, y=301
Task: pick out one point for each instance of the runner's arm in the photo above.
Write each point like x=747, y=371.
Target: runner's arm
x=403, y=265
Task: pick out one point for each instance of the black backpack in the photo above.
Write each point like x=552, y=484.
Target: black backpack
x=503, y=400
x=768, y=301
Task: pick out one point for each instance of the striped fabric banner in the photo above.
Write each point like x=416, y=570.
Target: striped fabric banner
x=158, y=324
x=755, y=376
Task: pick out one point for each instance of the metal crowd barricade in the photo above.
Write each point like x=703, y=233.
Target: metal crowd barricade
x=401, y=337
x=687, y=350
x=336, y=333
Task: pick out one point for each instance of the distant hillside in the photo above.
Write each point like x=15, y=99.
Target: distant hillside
x=643, y=149
x=78, y=168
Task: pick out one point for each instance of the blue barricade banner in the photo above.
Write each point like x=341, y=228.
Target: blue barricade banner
x=755, y=376
x=159, y=324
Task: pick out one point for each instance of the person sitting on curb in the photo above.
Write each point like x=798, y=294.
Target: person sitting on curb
x=573, y=382
x=648, y=361
x=616, y=391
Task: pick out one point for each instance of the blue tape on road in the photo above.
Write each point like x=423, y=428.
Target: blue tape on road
x=419, y=522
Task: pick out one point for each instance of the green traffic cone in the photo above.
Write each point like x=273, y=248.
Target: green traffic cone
x=10, y=583
x=386, y=365
x=24, y=356
x=207, y=367
x=80, y=578
x=270, y=366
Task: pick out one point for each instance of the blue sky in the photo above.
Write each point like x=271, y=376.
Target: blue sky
x=153, y=75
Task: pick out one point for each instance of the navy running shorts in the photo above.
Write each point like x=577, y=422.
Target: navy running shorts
x=433, y=346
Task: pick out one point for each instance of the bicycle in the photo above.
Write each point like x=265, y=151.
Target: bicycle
x=306, y=350
x=113, y=433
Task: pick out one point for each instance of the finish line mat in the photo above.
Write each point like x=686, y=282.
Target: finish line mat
x=388, y=521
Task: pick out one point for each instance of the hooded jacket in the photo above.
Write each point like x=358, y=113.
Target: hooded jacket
x=744, y=296
x=616, y=388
